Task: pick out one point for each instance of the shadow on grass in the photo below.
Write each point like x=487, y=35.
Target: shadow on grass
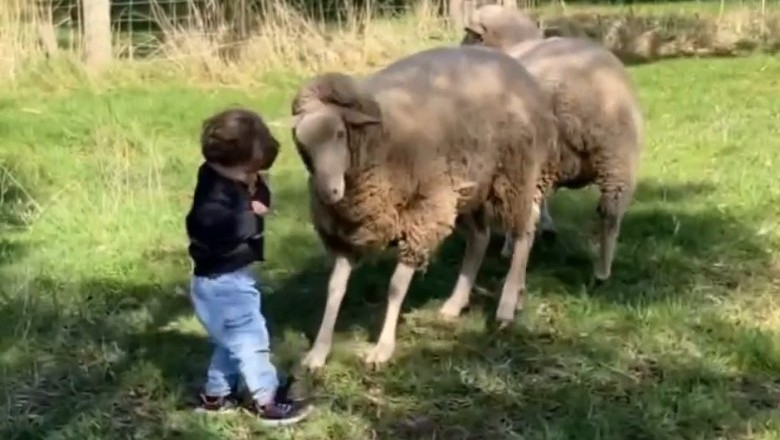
x=666, y=249
x=545, y=384
x=670, y=243
x=104, y=374
x=107, y=366
x=106, y=362
x=16, y=205
x=540, y=385
x=110, y=382
x=75, y=365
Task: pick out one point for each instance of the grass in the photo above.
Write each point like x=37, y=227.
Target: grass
x=97, y=339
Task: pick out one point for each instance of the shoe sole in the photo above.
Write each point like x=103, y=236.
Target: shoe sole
x=286, y=422
x=231, y=409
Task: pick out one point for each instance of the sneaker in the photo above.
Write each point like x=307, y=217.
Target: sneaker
x=281, y=414
x=289, y=391
x=216, y=403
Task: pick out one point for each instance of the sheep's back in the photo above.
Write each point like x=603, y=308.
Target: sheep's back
x=593, y=96
x=457, y=104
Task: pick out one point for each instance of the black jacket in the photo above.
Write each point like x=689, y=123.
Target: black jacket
x=225, y=234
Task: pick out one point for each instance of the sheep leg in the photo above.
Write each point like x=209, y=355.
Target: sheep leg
x=399, y=286
x=425, y=224
x=506, y=250
x=611, y=208
x=477, y=240
x=337, y=287
x=512, y=294
x=546, y=223
x=546, y=228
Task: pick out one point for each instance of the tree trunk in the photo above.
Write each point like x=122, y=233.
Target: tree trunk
x=97, y=32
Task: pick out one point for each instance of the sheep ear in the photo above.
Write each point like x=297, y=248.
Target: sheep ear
x=354, y=117
x=476, y=28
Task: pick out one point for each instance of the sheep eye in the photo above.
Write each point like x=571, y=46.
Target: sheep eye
x=340, y=134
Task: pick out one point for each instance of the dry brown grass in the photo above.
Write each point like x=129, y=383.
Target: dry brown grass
x=18, y=40
x=210, y=47
x=283, y=38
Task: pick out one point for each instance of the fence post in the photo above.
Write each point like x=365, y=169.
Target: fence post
x=97, y=32
x=457, y=13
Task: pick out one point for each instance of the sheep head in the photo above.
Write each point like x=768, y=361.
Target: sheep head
x=328, y=113
x=499, y=27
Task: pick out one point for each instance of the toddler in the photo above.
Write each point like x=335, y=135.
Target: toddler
x=225, y=228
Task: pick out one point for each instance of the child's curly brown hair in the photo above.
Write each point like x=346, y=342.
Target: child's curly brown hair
x=238, y=136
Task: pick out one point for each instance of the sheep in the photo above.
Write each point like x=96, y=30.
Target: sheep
x=397, y=158
x=495, y=26
x=600, y=123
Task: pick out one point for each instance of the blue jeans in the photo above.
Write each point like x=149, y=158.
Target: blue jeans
x=228, y=306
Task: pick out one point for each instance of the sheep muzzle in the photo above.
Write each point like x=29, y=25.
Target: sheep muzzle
x=330, y=188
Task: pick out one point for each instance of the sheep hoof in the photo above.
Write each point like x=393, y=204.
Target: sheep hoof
x=451, y=310
x=503, y=324
x=600, y=277
x=596, y=282
x=379, y=355
x=314, y=359
x=504, y=318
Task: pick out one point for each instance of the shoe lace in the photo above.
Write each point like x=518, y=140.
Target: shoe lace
x=277, y=409
x=211, y=401
x=283, y=408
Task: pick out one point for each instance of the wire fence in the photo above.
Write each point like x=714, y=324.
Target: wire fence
x=138, y=26
x=141, y=14
x=146, y=14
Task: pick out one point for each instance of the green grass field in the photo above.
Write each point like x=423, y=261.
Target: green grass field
x=97, y=339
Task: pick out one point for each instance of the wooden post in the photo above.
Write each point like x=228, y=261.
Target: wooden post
x=97, y=32
x=44, y=20
x=456, y=13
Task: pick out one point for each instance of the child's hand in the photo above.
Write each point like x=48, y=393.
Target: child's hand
x=259, y=208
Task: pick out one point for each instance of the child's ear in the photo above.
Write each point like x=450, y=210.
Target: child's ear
x=265, y=152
